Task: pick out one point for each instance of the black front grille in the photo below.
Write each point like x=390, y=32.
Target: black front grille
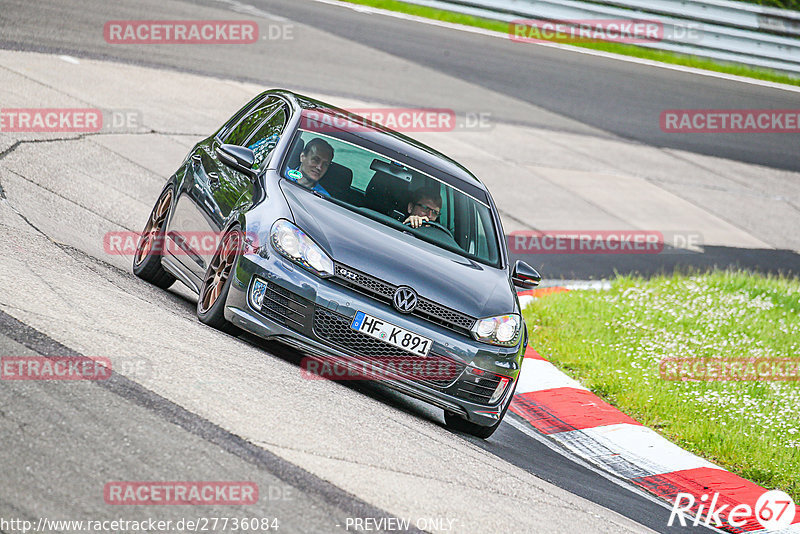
x=476, y=388
x=383, y=291
x=444, y=316
x=285, y=307
x=434, y=369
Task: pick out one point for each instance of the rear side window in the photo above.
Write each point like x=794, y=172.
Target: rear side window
x=244, y=128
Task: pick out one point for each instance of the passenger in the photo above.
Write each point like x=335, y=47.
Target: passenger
x=425, y=205
x=315, y=159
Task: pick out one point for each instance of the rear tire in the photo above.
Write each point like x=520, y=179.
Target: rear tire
x=150, y=248
x=217, y=283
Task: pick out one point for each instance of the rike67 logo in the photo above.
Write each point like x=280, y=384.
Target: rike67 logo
x=774, y=510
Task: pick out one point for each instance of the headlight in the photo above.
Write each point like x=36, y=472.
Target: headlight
x=501, y=330
x=292, y=243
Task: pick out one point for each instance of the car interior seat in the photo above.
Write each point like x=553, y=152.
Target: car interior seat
x=387, y=194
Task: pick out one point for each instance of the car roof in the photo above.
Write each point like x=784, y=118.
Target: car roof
x=378, y=134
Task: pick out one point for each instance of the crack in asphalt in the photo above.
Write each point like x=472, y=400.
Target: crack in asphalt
x=74, y=253
x=47, y=237
x=20, y=425
x=656, y=182
x=11, y=149
x=94, y=264
x=129, y=160
x=86, y=260
x=41, y=83
x=289, y=473
x=517, y=220
x=85, y=135
x=392, y=470
x=62, y=92
x=37, y=184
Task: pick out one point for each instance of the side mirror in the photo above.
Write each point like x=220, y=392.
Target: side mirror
x=525, y=276
x=238, y=158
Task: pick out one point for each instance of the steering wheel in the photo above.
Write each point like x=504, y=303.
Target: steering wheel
x=439, y=226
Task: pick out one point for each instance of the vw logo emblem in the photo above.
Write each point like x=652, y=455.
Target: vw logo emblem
x=405, y=299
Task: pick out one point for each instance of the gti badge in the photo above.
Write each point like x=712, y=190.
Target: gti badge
x=405, y=299
x=347, y=274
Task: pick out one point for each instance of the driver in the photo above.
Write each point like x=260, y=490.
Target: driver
x=425, y=205
x=315, y=159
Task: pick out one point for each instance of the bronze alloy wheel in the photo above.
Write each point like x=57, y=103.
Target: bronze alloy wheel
x=219, y=270
x=155, y=225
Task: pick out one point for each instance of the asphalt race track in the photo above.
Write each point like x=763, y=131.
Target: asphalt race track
x=190, y=403
x=590, y=114
x=568, y=91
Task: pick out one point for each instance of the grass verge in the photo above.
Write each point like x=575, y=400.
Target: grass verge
x=613, y=342
x=616, y=48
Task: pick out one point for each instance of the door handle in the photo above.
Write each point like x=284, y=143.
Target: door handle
x=213, y=176
x=197, y=157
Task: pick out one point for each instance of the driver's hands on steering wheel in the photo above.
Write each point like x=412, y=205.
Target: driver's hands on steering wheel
x=415, y=221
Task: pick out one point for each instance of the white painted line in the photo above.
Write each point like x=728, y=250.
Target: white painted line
x=246, y=9
x=639, y=446
x=577, y=50
x=538, y=375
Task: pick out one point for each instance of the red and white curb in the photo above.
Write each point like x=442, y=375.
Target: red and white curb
x=567, y=413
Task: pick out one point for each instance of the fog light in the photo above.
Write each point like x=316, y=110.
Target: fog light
x=501, y=388
x=257, y=292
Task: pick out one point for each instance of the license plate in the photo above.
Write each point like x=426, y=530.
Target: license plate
x=391, y=334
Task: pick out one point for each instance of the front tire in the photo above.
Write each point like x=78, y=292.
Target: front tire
x=217, y=283
x=150, y=248
x=459, y=424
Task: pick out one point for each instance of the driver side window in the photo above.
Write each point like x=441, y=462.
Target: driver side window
x=241, y=132
x=266, y=136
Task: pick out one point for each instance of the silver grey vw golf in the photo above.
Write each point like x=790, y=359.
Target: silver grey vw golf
x=352, y=243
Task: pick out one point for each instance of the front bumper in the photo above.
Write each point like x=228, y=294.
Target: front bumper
x=314, y=314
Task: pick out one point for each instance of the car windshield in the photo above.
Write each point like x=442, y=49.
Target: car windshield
x=390, y=191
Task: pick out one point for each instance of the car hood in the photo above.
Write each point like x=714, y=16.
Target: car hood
x=401, y=259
